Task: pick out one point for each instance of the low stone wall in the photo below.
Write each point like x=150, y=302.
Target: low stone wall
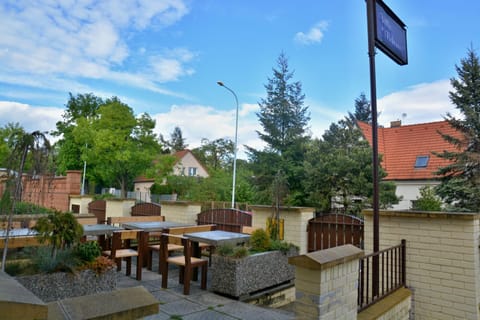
x=61, y=285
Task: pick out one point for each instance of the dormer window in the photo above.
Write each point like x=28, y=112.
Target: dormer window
x=422, y=161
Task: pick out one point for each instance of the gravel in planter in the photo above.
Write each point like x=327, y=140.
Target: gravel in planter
x=244, y=276
x=60, y=285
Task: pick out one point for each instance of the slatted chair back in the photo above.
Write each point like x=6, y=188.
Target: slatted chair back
x=89, y=220
x=117, y=221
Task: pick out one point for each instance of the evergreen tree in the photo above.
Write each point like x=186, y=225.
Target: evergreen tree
x=363, y=110
x=284, y=119
x=176, y=142
x=460, y=185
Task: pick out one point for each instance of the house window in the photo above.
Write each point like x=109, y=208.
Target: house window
x=192, y=171
x=422, y=161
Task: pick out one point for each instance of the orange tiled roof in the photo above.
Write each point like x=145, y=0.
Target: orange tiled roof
x=401, y=145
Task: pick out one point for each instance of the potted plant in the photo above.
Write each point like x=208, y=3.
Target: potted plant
x=242, y=271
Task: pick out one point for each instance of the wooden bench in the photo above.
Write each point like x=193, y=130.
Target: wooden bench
x=117, y=221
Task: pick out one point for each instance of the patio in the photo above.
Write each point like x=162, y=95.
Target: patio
x=200, y=304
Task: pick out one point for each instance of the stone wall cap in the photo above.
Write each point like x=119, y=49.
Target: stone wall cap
x=327, y=258
x=424, y=214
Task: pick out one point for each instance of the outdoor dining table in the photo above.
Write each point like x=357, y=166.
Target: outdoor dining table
x=151, y=226
x=215, y=238
x=100, y=231
x=218, y=237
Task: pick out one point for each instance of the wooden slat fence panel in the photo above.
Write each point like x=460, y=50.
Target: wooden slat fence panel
x=98, y=208
x=146, y=209
x=333, y=230
x=226, y=219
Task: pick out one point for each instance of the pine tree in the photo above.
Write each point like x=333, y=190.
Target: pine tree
x=363, y=110
x=460, y=185
x=284, y=119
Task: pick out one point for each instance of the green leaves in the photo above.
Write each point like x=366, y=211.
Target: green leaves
x=460, y=179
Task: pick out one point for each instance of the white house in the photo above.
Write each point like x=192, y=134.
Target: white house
x=185, y=165
x=407, y=155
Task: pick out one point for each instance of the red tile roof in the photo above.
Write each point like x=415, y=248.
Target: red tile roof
x=401, y=145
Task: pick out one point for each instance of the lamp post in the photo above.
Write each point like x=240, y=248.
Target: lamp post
x=220, y=83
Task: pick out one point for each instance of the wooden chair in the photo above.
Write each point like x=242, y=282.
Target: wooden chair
x=177, y=245
x=117, y=221
x=186, y=263
x=121, y=249
x=174, y=245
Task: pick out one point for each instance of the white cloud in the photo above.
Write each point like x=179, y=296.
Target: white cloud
x=31, y=118
x=171, y=65
x=197, y=122
x=314, y=35
x=88, y=39
x=425, y=102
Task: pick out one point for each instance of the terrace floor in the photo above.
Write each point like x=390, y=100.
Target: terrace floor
x=200, y=304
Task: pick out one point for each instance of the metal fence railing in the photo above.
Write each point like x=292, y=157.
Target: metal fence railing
x=391, y=274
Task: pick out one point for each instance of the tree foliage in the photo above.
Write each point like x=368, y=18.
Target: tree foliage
x=70, y=152
x=176, y=142
x=428, y=200
x=215, y=154
x=460, y=185
x=338, y=168
x=284, y=120
x=120, y=146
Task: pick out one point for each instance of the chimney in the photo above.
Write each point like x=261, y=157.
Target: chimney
x=395, y=124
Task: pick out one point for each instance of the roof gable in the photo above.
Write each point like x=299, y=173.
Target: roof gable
x=401, y=145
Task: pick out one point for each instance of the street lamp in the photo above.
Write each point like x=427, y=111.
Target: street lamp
x=220, y=83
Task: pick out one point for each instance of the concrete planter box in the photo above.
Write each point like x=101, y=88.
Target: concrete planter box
x=244, y=277
x=60, y=285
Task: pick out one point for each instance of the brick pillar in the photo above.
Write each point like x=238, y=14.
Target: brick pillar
x=74, y=182
x=326, y=283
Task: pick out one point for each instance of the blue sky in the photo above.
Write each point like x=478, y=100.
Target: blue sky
x=164, y=57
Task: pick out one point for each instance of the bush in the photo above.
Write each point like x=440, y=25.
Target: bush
x=63, y=261
x=88, y=251
x=225, y=250
x=260, y=241
x=100, y=264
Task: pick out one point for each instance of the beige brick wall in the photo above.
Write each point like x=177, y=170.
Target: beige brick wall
x=443, y=268
x=118, y=207
x=326, y=283
x=81, y=201
x=295, y=223
x=180, y=211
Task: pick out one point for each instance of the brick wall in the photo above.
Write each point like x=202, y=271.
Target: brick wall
x=443, y=260
x=52, y=192
x=326, y=283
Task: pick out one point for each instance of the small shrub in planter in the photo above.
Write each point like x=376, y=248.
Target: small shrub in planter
x=240, y=271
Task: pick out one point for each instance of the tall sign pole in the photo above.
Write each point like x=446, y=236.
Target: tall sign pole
x=387, y=32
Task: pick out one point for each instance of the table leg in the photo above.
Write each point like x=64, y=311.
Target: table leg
x=197, y=253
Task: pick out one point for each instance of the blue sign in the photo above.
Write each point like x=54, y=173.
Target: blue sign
x=390, y=33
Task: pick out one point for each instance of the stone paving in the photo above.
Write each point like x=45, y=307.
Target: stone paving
x=200, y=304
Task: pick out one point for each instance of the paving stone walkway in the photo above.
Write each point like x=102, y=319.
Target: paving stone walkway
x=200, y=304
